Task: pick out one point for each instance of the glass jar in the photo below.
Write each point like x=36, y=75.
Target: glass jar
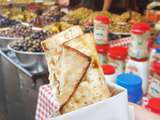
x=109, y=72
x=102, y=53
x=139, y=46
x=154, y=80
x=133, y=84
x=101, y=29
x=117, y=58
x=157, y=54
x=139, y=67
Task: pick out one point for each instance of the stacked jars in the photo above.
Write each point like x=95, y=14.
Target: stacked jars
x=102, y=51
x=139, y=45
x=101, y=30
x=154, y=77
x=139, y=53
x=109, y=72
x=101, y=36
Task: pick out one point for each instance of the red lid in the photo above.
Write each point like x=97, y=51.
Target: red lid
x=154, y=105
x=102, y=48
x=108, y=69
x=103, y=19
x=119, y=53
x=140, y=28
x=156, y=67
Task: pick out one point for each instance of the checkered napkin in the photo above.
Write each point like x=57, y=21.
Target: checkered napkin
x=120, y=42
x=47, y=107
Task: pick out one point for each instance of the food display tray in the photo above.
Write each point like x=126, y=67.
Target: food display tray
x=32, y=73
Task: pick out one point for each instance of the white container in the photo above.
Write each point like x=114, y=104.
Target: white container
x=139, y=46
x=140, y=68
x=101, y=29
x=109, y=72
x=113, y=108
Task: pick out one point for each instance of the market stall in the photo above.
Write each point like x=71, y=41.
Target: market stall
x=67, y=61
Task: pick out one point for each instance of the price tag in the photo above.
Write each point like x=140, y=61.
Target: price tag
x=62, y=37
x=39, y=1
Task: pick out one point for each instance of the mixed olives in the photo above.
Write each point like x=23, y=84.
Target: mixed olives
x=32, y=43
x=17, y=31
x=51, y=15
x=5, y=22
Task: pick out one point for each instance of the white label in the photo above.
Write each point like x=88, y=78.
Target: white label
x=154, y=88
x=138, y=47
x=118, y=64
x=62, y=37
x=39, y=1
x=102, y=59
x=100, y=33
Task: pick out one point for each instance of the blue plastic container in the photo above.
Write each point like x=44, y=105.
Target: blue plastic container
x=158, y=39
x=158, y=50
x=133, y=84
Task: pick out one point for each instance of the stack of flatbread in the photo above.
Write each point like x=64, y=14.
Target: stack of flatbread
x=75, y=74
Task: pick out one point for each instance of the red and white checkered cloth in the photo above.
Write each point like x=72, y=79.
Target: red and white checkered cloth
x=120, y=42
x=46, y=105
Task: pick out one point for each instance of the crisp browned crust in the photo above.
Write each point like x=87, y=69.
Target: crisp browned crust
x=84, y=93
x=76, y=86
x=78, y=52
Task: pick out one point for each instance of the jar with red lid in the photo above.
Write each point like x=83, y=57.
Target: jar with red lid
x=117, y=57
x=109, y=72
x=154, y=80
x=101, y=29
x=102, y=51
x=139, y=67
x=157, y=54
x=154, y=105
x=139, y=46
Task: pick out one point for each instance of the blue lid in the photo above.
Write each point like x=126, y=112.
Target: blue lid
x=157, y=50
x=158, y=39
x=127, y=80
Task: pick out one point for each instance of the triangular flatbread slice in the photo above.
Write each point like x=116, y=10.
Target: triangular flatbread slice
x=69, y=71
x=93, y=87
x=53, y=48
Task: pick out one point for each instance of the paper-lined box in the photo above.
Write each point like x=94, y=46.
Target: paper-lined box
x=113, y=108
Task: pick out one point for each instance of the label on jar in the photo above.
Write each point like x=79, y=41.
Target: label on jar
x=100, y=32
x=157, y=57
x=154, y=86
x=138, y=47
x=118, y=64
x=140, y=69
x=102, y=58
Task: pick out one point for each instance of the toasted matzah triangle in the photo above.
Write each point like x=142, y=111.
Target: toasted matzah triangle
x=69, y=71
x=93, y=87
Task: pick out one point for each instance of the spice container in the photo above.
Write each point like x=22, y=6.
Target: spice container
x=117, y=58
x=139, y=46
x=101, y=29
x=133, y=84
x=102, y=51
x=157, y=55
x=154, y=105
x=139, y=67
x=109, y=72
x=155, y=51
x=154, y=85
